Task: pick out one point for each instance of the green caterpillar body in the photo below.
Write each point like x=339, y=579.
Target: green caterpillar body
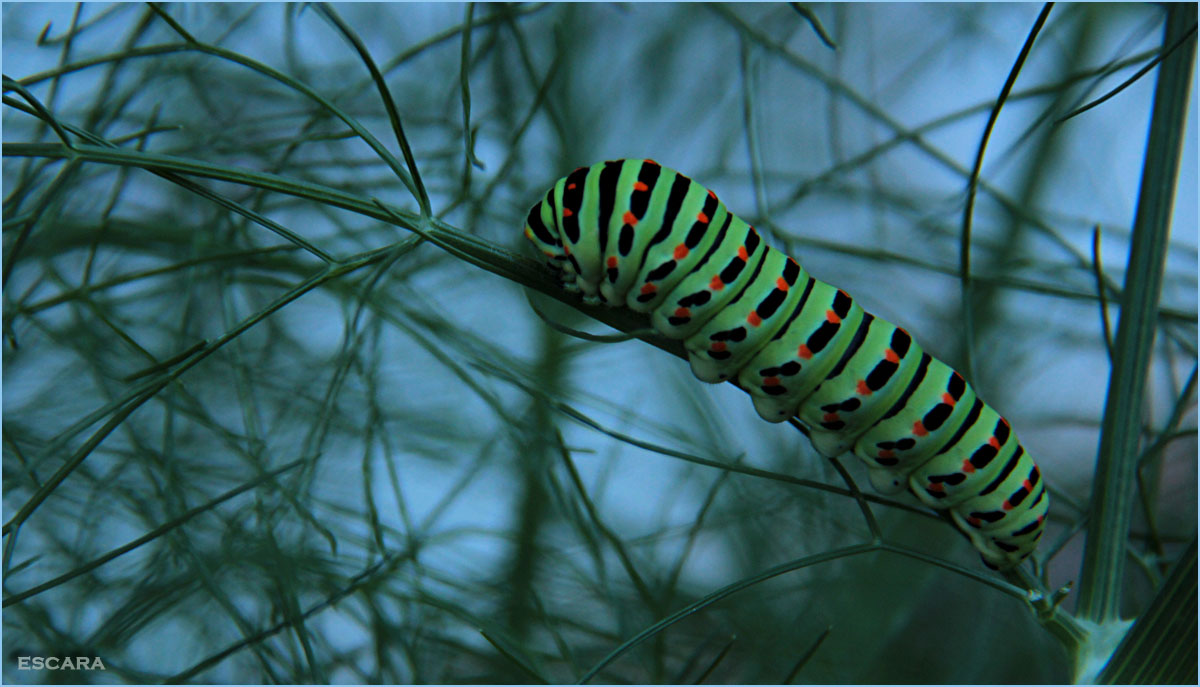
x=635, y=234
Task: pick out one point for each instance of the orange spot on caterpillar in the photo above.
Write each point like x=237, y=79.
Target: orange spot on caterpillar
x=682, y=312
x=832, y=317
x=862, y=388
x=781, y=284
x=919, y=429
x=754, y=319
x=936, y=486
x=887, y=453
x=947, y=399
x=649, y=288
x=967, y=467
x=890, y=356
x=843, y=293
x=1007, y=505
x=717, y=346
x=743, y=254
x=567, y=212
x=612, y=261
x=630, y=219
x=1028, y=486
x=770, y=381
x=1005, y=422
x=716, y=284
x=641, y=186
x=830, y=417
x=571, y=187
x=566, y=249
x=804, y=352
x=974, y=522
x=651, y=162
x=681, y=251
x=711, y=194
x=701, y=218
x=994, y=443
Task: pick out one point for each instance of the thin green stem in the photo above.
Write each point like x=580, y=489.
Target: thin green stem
x=1102, y=578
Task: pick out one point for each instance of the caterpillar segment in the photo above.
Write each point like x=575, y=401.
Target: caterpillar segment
x=635, y=234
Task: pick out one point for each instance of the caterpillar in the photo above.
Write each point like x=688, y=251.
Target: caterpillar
x=635, y=234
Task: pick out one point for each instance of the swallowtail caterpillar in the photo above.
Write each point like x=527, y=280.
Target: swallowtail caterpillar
x=635, y=234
